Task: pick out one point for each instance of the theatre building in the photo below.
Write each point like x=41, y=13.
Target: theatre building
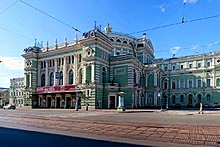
x=109, y=70
x=89, y=71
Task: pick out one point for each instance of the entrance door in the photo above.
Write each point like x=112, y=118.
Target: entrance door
x=48, y=102
x=68, y=102
x=190, y=100
x=58, y=102
x=112, y=102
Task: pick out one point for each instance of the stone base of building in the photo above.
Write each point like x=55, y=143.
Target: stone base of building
x=121, y=108
x=87, y=108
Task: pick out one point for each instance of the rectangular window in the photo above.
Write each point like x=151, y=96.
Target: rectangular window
x=59, y=62
x=190, y=66
x=165, y=68
x=174, y=68
x=199, y=65
x=181, y=67
x=80, y=57
x=208, y=82
x=173, y=85
x=190, y=84
x=182, y=84
x=120, y=71
x=199, y=83
x=72, y=58
x=208, y=64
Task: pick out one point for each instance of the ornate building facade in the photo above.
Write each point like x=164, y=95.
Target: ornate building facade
x=93, y=70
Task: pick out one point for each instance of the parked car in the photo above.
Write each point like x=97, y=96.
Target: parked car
x=9, y=107
x=216, y=105
x=206, y=105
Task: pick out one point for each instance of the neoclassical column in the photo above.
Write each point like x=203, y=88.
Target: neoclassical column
x=213, y=83
x=39, y=74
x=55, y=70
x=30, y=81
x=75, y=73
x=64, y=71
x=84, y=73
x=92, y=72
x=46, y=74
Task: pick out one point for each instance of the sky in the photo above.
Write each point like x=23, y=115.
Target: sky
x=23, y=21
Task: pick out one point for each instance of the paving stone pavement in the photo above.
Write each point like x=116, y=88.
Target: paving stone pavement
x=126, y=125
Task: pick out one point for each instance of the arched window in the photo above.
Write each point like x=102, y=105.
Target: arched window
x=208, y=98
x=71, y=77
x=51, y=79
x=61, y=78
x=150, y=80
x=173, y=85
x=42, y=80
x=181, y=98
x=165, y=85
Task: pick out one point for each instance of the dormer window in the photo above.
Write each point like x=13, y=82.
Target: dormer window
x=118, y=40
x=125, y=42
x=140, y=45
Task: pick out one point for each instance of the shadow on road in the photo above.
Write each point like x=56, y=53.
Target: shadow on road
x=19, y=138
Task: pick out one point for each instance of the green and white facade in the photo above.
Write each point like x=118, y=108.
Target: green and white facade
x=94, y=70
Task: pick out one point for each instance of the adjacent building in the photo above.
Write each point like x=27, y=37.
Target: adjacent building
x=4, y=96
x=16, y=92
x=93, y=71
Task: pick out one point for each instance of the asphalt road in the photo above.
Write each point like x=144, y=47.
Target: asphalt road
x=111, y=128
x=21, y=138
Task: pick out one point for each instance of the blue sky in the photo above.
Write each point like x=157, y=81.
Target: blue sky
x=21, y=24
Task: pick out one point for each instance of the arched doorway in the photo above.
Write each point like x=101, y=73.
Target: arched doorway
x=190, y=97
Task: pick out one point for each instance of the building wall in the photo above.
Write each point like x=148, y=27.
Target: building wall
x=16, y=91
x=105, y=64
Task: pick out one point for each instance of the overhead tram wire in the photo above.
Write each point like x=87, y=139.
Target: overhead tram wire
x=29, y=5
x=8, y=7
x=18, y=34
x=191, y=47
x=174, y=24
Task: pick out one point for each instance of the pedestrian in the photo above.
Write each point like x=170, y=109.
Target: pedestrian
x=200, y=108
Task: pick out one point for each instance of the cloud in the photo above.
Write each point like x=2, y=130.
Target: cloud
x=162, y=7
x=11, y=67
x=195, y=47
x=174, y=49
x=190, y=1
x=12, y=63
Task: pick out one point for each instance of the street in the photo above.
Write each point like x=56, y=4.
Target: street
x=104, y=127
